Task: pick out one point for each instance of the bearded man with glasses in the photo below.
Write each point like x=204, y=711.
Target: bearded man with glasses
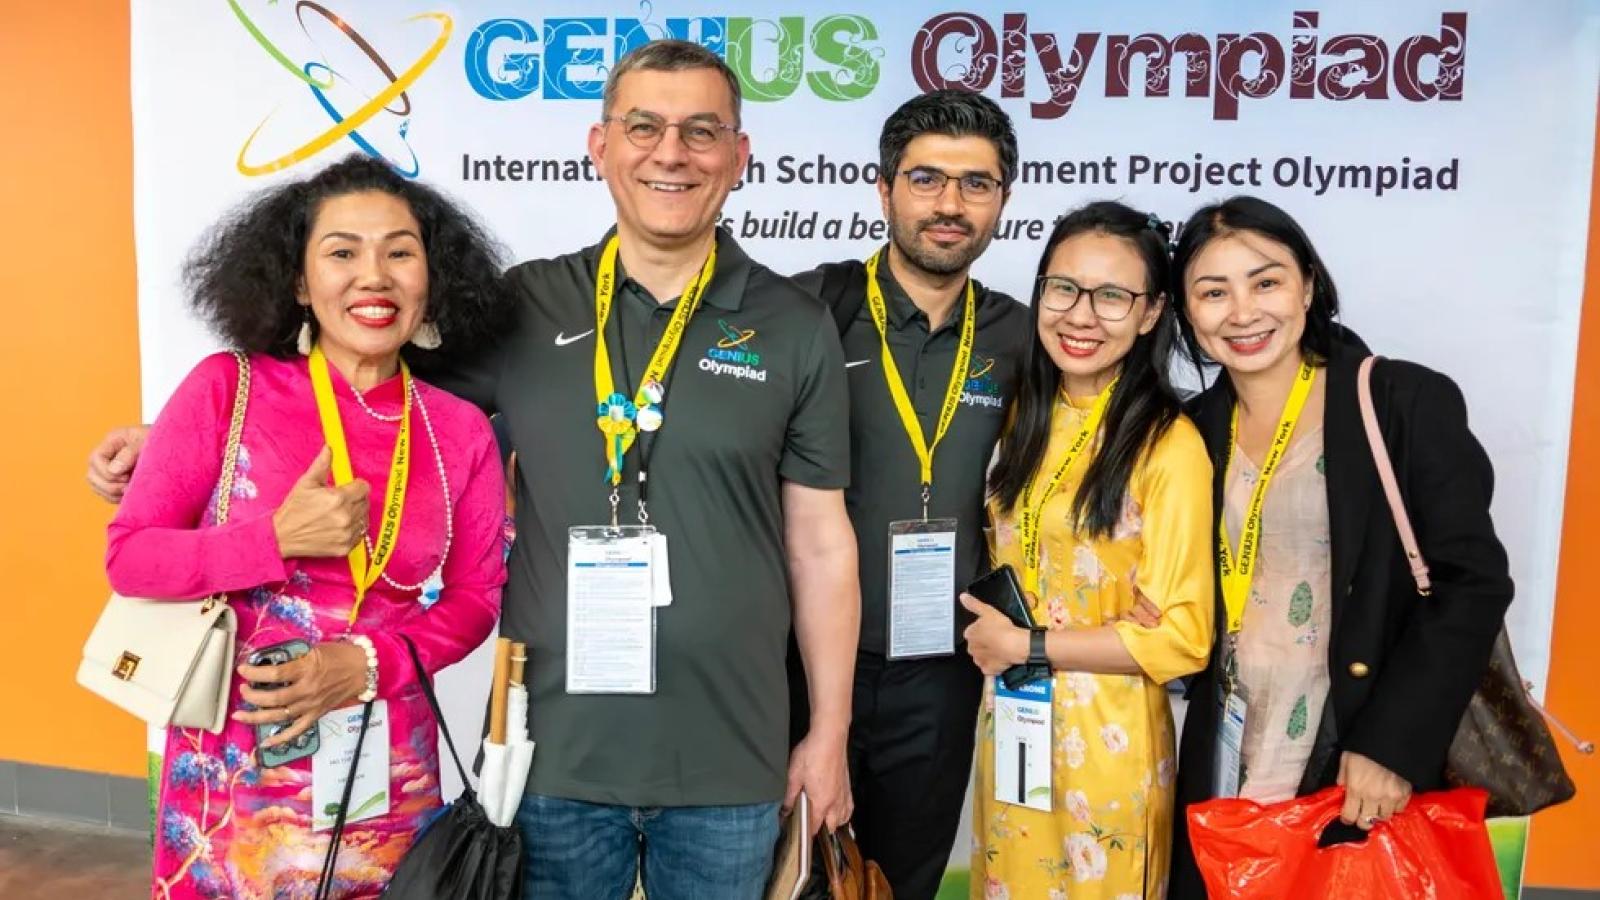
x=931, y=357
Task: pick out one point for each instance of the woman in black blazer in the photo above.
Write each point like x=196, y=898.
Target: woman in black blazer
x=1400, y=667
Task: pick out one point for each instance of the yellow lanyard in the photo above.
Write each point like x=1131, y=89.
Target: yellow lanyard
x=1031, y=512
x=616, y=413
x=1237, y=571
x=897, y=388
x=364, y=573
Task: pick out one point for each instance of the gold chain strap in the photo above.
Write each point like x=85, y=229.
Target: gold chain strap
x=230, y=455
x=230, y=458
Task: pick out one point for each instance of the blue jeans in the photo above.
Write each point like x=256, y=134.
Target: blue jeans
x=593, y=851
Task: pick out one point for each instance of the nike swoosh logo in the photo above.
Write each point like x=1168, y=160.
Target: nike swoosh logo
x=859, y=362
x=562, y=340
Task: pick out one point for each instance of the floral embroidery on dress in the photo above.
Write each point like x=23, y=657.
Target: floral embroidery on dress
x=1131, y=523
x=1078, y=688
x=1075, y=747
x=1078, y=805
x=1300, y=605
x=1086, y=856
x=187, y=828
x=1115, y=738
x=1086, y=566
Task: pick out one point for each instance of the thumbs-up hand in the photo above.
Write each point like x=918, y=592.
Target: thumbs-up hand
x=318, y=519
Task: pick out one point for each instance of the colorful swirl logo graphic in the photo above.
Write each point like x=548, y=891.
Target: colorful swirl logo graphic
x=320, y=77
x=733, y=336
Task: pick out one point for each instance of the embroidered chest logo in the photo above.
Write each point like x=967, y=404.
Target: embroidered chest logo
x=981, y=389
x=734, y=354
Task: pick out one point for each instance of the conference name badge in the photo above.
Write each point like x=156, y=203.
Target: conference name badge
x=922, y=584
x=1022, y=753
x=330, y=765
x=611, y=609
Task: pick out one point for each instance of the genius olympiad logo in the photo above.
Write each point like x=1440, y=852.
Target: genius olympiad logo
x=981, y=389
x=319, y=76
x=733, y=354
x=966, y=50
x=567, y=58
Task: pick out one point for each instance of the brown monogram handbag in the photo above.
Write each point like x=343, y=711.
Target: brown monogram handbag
x=1502, y=744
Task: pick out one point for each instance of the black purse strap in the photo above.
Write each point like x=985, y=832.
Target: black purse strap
x=325, y=880
x=438, y=714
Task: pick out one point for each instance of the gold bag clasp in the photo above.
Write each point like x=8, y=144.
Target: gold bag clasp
x=126, y=665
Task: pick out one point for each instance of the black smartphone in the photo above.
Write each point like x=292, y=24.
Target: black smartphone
x=1001, y=590
x=302, y=746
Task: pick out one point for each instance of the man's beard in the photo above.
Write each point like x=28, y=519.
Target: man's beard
x=937, y=260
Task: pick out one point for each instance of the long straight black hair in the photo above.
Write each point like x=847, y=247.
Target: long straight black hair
x=1141, y=409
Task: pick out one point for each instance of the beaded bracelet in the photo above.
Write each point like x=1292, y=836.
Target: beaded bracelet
x=365, y=643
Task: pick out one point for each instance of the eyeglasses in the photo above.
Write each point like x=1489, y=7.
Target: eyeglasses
x=1108, y=302
x=645, y=130
x=975, y=187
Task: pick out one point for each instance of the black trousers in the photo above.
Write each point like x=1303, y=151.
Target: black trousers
x=910, y=756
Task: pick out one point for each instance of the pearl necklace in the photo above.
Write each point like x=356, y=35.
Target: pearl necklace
x=431, y=586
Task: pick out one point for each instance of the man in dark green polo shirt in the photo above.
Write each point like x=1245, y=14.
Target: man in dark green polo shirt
x=746, y=477
x=672, y=752
x=948, y=159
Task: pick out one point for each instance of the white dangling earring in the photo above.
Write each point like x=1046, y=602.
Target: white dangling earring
x=302, y=341
x=427, y=336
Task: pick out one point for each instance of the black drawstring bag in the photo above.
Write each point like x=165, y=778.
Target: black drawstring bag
x=460, y=855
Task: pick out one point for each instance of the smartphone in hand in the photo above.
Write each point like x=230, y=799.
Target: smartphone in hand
x=1001, y=590
x=306, y=744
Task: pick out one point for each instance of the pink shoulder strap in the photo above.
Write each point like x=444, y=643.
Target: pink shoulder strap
x=1391, y=488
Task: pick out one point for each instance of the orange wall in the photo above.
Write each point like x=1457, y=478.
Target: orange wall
x=70, y=368
x=1564, y=840
x=71, y=371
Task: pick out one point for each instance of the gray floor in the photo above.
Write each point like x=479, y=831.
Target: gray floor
x=43, y=859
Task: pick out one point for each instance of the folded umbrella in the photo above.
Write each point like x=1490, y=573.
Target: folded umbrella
x=496, y=756
x=520, y=756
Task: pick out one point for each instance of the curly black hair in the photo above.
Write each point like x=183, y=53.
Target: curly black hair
x=243, y=275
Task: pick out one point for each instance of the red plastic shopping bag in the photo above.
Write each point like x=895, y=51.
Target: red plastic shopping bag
x=1437, y=849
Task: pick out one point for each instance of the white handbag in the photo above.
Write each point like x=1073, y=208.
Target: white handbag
x=169, y=661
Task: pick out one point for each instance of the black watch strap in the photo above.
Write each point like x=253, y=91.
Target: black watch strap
x=1036, y=648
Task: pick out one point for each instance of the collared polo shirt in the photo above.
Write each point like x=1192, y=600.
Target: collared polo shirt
x=885, y=485
x=757, y=397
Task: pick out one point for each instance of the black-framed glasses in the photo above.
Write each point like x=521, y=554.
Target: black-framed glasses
x=975, y=187
x=1108, y=302
x=645, y=130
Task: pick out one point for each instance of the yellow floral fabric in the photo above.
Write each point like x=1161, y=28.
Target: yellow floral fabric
x=1108, y=834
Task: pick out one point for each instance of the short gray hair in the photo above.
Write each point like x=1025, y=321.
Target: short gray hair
x=669, y=56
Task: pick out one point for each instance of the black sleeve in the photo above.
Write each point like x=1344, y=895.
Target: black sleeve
x=840, y=285
x=811, y=281
x=816, y=451
x=1431, y=672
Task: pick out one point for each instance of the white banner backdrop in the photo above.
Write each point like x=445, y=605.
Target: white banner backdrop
x=1439, y=155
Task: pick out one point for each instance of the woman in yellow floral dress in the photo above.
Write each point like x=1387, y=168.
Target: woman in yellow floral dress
x=1118, y=569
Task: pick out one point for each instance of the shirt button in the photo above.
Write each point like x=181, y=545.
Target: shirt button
x=1359, y=670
